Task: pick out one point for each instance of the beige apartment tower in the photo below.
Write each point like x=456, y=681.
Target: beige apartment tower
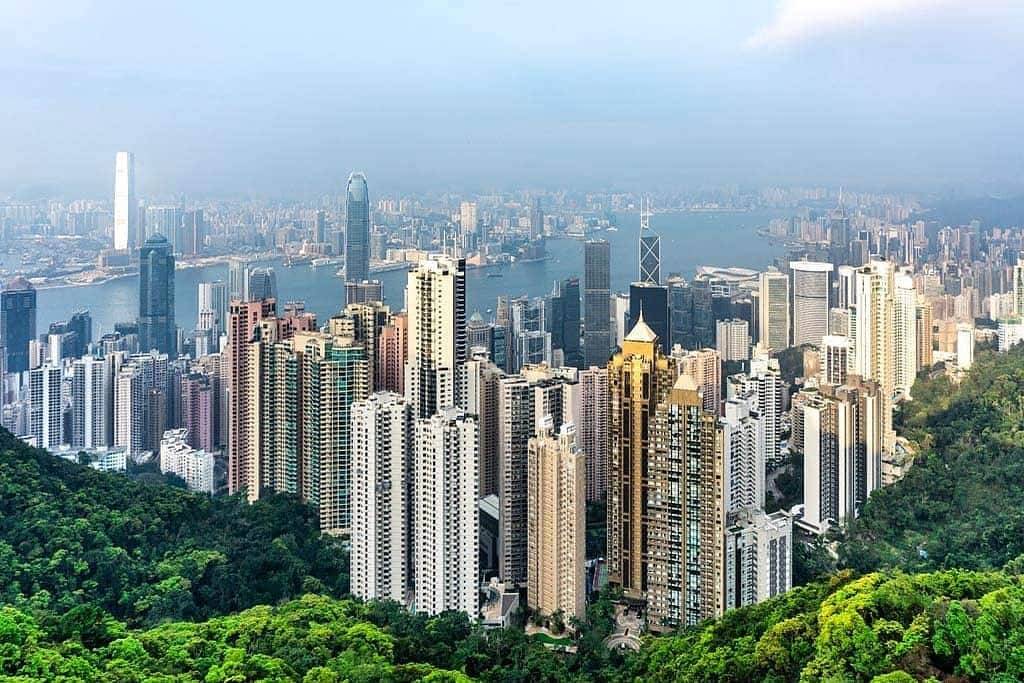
x=556, y=526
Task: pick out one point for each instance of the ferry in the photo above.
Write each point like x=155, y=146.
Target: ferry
x=612, y=229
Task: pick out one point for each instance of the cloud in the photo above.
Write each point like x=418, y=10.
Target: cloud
x=797, y=20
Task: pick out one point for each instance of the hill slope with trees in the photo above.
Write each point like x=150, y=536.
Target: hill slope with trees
x=71, y=536
x=962, y=503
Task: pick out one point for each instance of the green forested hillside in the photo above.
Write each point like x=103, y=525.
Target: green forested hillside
x=71, y=536
x=962, y=504
x=951, y=625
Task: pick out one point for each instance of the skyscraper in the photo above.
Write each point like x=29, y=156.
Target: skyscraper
x=363, y=291
x=774, y=314
x=811, y=288
x=468, y=223
x=213, y=301
x=156, y=297
x=381, y=504
x=705, y=367
x=565, y=322
x=242, y=380
x=557, y=523
x=596, y=302
x=649, y=301
x=446, y=521
x=732, y=339
x=357, y=229
x=17, y=322
x=650, y=249
x=261, y=284
x=640, y=377
x=873, y=336
x=46, y=425
x=126, y=208
x=436, y=301
x=758, y=557
x=592, y=434
x=393, y=351
x=91, y=395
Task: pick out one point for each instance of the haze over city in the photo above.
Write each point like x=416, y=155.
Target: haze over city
x=238, y=100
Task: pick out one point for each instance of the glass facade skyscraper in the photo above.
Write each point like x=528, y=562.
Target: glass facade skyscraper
x=357, y=229
x=156, y=296
x=17, y=322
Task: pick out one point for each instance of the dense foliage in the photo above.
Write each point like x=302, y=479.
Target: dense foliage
x=881, y=627
x=890, y=627
x=71, y=536
x=962, y=504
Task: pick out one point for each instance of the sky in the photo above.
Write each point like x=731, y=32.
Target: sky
x=285, y=99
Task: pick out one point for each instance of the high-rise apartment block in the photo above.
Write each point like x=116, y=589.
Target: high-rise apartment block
x=556, y=527
x=445, y=520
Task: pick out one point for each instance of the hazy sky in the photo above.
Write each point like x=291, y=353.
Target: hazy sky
x=286, y=98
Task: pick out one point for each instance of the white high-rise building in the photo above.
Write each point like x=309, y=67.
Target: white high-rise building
x=835, y=359
x=446, y=522
x=45, y=409
x=732, y=339
x=872, y=331
x=468, y=219
x=758, y=557
x=129, y=409
x=904, y=333
x=91, y=402
x=213, y=306
x=126, y=208
x=178, y=458
x=765, y=383
x=1018, y=289
x=381, y=512
x=773, y=316
x=964, y=346
x=811, y=288
x=435, y=299
x=743, y=451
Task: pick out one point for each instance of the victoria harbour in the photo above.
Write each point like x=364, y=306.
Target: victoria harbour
x=689, y=239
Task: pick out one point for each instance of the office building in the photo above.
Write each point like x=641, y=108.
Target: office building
x=381, y=501
x=177, y=457
x=445, y=499
x=357, y=229
x=811, y=288
x=650, y=302
x=556, y=527
x=468, y=222
x=126, y=207
x=261, y=283
x=564, y=324
x=17, y=322
x=436, y=305
x=157, y=329
x=596, y=302
x=774, y=311
x=650, y=250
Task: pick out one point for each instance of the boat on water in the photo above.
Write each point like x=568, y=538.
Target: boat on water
x=495, y=274
x=612, y=229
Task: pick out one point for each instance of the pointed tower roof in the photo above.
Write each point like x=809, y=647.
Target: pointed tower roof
x=642, y=332
x=686, y=383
